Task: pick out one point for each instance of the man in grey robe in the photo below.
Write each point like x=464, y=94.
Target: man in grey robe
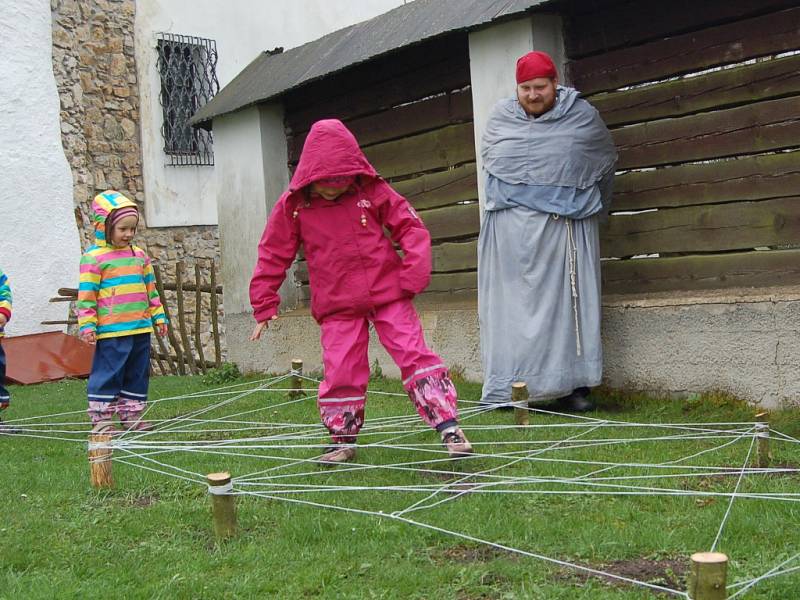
x=549, y=162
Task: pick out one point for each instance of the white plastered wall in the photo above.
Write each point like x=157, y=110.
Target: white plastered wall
x=185, y=195
x=39, y=245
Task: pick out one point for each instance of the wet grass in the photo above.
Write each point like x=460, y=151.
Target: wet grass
x=151, y=537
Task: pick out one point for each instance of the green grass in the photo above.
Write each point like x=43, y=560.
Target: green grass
x=151, y=536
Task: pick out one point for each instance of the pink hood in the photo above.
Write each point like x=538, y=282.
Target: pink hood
x=330, y=150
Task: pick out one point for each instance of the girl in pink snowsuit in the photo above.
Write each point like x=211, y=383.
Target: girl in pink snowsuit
x=337, y=207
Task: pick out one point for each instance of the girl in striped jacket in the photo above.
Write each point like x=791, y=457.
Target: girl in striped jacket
x=118, y=308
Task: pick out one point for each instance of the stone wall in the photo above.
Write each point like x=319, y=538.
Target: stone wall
x=95, y=71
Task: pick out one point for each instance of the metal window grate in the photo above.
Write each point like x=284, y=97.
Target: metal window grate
x=187, y=66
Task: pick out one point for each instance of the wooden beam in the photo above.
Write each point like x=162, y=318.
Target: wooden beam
x=596, y=27
x=401, y=121
x=747, y=178
x=761, y=127
x=441, y=188
x=730, y=87
x=724, y=44
x=702, y=272
x=439, y=149
x=734, y=226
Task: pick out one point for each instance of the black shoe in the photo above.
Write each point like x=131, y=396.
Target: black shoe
x=577, y=401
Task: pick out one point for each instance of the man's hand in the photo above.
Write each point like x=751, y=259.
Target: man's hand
x=3, y=320
x=261, y=326
x=89, y=336
x=161, y=329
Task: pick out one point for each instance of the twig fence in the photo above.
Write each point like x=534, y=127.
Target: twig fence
x=182, y=350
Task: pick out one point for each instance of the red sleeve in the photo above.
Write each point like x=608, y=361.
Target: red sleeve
x=409, y=232
x=276, y=251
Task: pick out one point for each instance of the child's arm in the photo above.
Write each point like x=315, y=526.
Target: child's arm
x=87, y=298
x=5, y=300
x=157, y=314
x=276, y=251
x=407, y=230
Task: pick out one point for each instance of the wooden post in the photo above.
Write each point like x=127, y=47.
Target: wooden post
x=296, y=382
x=519, y=397
x=173, y=340
x=708, y=576
x=223, y=507
x=100, y=461
x=762, y=448
x=198, y=303
x=214, y=316
x=173, y=369
x=155, y=358
x=189, y=355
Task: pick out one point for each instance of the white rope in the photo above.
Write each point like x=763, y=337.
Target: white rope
x=478, y=541
x=734, y=495
x=572, y=251
x=220, y=490
x=773, y=572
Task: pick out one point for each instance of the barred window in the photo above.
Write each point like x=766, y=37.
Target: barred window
x=187, y=66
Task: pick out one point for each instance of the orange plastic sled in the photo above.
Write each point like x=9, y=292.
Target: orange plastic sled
x=46, y=357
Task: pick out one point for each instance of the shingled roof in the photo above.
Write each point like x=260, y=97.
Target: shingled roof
x=271, y=75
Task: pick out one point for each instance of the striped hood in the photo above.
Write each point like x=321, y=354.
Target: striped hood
x=102, y=206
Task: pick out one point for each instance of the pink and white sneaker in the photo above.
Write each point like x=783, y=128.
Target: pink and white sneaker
x=456, y=443
x=337, y=454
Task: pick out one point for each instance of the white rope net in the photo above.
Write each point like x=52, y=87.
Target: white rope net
x=243, y=428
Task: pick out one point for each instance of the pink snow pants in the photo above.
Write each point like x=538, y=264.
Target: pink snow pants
x=342, y=394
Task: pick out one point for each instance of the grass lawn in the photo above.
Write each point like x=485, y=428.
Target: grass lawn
x=579, y=491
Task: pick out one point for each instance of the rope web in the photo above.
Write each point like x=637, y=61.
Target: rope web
x=243, y=428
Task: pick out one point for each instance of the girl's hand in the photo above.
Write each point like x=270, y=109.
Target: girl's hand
x=261, y=326
x=89, y=336
x=161, y=329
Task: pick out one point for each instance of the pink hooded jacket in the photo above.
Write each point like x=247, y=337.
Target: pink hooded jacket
x=352, y=264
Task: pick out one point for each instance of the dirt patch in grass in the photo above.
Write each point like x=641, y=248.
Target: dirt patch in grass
x=666, y=572
x=467, y=553
x=141, y=501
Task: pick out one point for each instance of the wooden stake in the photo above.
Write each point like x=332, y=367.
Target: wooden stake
x=182, y=318
x=223, y=507
x=519, y=396
x=708, y=577
x=173, y=340
x=198, y=303
x=163, y=353
x=100, y=461
x=214, y=317
x=297, y=383
x=154, y=356
x=763, y=456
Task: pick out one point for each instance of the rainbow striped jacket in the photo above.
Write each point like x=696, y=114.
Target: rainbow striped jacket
x=5, y=300
x=117, y=293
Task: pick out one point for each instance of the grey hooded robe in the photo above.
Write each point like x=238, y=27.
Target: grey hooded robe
x=549, y=186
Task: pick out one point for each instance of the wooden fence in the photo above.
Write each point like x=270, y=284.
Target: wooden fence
x=181, y=352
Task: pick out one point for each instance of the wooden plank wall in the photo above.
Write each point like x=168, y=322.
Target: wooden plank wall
x=703, y=99
x=412, y=115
